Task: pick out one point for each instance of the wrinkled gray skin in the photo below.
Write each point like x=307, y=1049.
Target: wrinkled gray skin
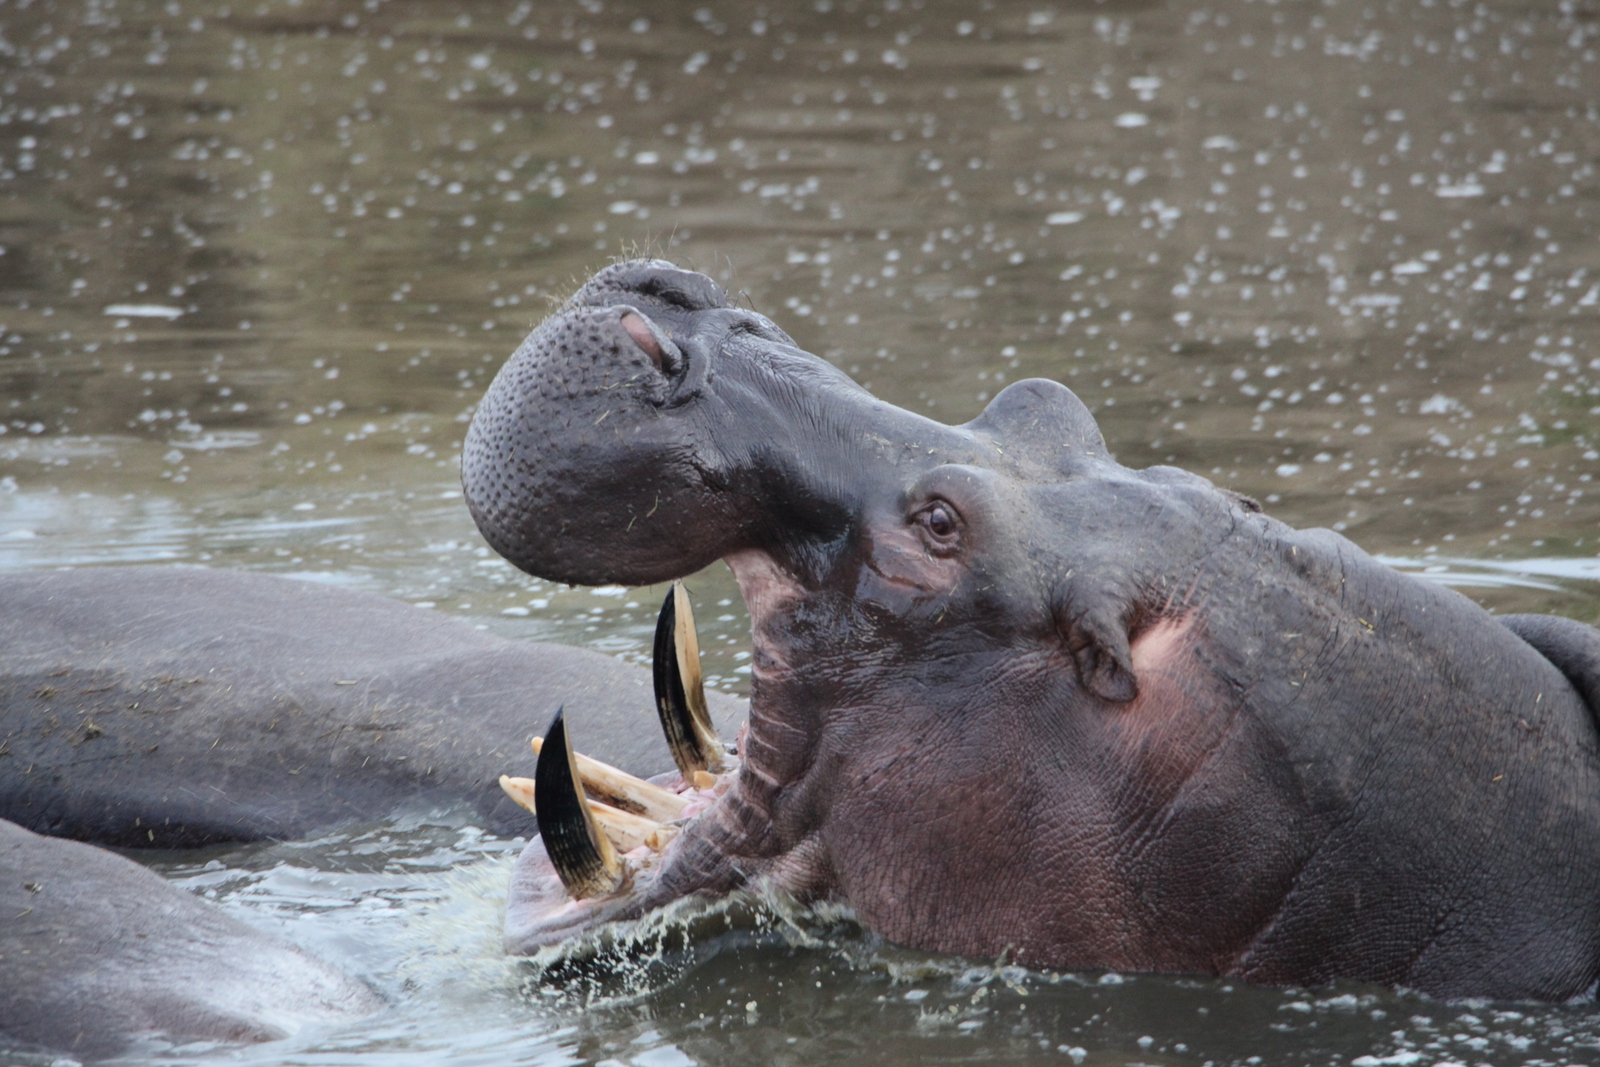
x=166, y=707
x=1009, y=694
x=95, y=951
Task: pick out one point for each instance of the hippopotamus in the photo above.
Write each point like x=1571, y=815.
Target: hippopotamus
x=172, y=707
x=1010, y=696
x=96, y=951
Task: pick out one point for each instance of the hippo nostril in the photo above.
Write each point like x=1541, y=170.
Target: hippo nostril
x=639, y=330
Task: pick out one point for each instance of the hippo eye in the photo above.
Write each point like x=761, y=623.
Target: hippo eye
x=939, y=520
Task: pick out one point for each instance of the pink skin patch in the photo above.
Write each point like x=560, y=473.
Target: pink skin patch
x=1159, y=647
x=900, y=570
x=766, y=588
x=639, y=330
x=1160, y=725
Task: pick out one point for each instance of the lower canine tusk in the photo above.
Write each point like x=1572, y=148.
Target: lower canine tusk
x=582, y=856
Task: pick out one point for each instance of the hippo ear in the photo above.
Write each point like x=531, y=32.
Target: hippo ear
x=1099, y=645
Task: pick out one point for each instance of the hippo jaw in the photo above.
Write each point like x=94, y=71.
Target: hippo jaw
x=907, y=624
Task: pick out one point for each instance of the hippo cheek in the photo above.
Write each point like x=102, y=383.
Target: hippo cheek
x=920, y=864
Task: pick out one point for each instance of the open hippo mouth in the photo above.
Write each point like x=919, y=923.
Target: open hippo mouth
x=1009, y=694
x=651, y=428
x=603, y=832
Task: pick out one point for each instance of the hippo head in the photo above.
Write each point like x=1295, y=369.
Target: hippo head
x=968, y=712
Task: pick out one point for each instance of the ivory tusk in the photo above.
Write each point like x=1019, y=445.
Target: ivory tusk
x=626, y=830
x=518, y=789
x=624, y=790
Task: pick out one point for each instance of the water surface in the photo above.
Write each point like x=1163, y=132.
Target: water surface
x=258, y=260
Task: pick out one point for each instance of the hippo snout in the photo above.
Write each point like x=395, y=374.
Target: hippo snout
x=590, y=426
x=649, y=428
x=1009, y=695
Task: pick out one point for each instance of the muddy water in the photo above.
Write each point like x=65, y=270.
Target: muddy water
x=258, y=260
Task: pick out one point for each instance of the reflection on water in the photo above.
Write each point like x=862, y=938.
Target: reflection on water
x=258, y=259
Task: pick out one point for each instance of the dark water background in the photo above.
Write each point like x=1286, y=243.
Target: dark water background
x=258, y=260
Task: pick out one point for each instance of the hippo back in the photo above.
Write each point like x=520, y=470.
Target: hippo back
x=173, y=707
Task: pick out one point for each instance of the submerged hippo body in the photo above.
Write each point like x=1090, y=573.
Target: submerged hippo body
x=173, y=707
x=96, y=951
x=1010, y=695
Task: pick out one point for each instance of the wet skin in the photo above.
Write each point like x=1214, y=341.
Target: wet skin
x=95, y=950
x=169, y=708
x=1010, y=695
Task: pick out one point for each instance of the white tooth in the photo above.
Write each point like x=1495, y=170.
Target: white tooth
x=626, y=830
x=661, y=838
x=518, y=789
x=605, y=780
